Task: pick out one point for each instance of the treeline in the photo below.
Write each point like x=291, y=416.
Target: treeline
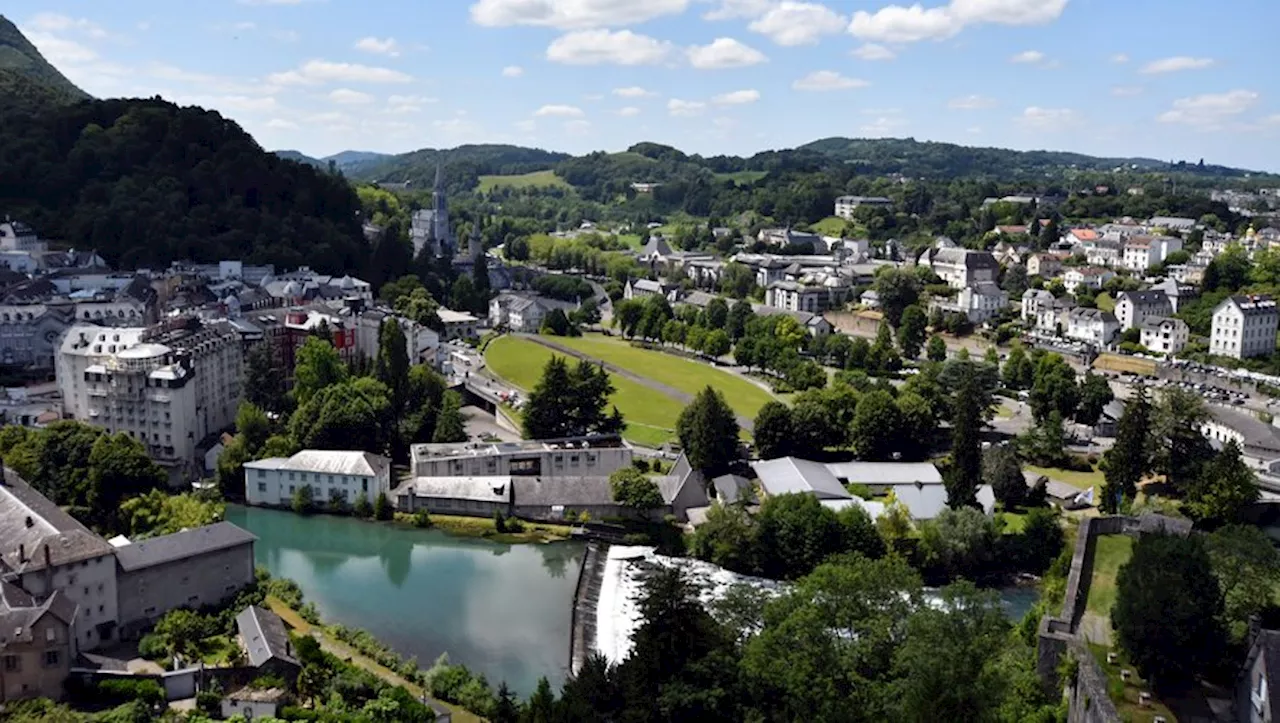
x=144, y=182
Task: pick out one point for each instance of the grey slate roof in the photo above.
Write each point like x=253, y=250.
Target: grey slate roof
x=968, y=258
x=30, y=523
x=566, y=491
x=788, y=475
x=19, y=612
x=182, y=545
x=1144, y=298
x=732, y=489
x=886, y=473
x=264, y=636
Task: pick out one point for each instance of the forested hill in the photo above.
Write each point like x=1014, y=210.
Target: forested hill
x=18, y=57
x=145, y=182
x=462, y=165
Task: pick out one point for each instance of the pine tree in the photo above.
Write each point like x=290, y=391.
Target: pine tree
x=966, y=445
x=1127, y=460
x=708, y=432
x=936, y=350
x=546, y=413
x=450, y=426
x=392, y=366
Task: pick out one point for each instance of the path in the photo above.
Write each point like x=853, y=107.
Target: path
x=342, y=651
x=672, y=392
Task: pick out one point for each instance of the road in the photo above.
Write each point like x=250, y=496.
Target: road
x=482, y=425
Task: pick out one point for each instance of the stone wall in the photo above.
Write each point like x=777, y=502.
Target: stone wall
x=586, y=597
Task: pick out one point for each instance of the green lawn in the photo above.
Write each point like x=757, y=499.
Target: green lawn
x=685, y=375
x=1014, y=522
x=1105, y=302
x=1124, y=693
x=742, y=178
x=1110, y=554
x=632, y=240
x=651, y=417
x=537, y=179
x=1083, y=480
x=829, y=226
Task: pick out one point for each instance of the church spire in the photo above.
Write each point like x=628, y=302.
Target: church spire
x=439, y=176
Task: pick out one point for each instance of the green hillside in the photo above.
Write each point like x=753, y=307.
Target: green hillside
x=19, y=60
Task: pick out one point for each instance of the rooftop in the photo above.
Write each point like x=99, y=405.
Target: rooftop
x=30, y=524
x=181, y=545
x=327, y=461
x=483, y=449
x=886, y=473
x=264, y=636
x=788, y=475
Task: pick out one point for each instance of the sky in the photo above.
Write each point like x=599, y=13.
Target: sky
x=1167, y=79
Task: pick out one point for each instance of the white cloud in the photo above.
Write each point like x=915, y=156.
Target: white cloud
x=227, y=103
x=316, y=72
x=577, y=126
x=58, y=23
x=512, y=71
x=629, y=112
x=724, y=53
x=379, y=46
x=1175, y=64
x=971, y=102
x=596, y=47
x=1047, y=119
x=634, y=91
x=346, y=96
x=245, y=26
x=210, y=83
x=1120, y=58
x=737, y=97
x=1211, y=110
x=899, y=24
x=572, y=14
x=798, y=23
x=559, y=111
x=685, y=108
x=280, y=124
x=1126, y=91
x=873, y=51
x=60, y=51
x=734, y=9
x=407, y=103
x=285, y=36
x=1028, y=57
x=826, y=80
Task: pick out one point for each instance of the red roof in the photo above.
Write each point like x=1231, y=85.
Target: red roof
x=1085, y=234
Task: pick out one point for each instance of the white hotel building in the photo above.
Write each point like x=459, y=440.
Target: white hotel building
x=1244, y=326
x=331, y=474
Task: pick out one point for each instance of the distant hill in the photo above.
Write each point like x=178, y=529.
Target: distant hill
x=300, y=157
x=20, y=60
x=463, y=162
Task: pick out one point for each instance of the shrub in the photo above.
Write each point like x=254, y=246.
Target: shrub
x=641, y=464
x=362, y=507
x=421, y=519
x=124, y=690
x=515, y=524
x=499, y=522
x=209, y=702
x=152, y=647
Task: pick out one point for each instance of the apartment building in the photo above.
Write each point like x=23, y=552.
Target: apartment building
x=583, y=457
x=36, y=643
x=1244, y=326
x=961, y=268
x=1164, y=335
x=1090, y=277
x=1135, y=307
x=1143, y=252
x=169, y=386
x=332, y=475
x=1092, y=326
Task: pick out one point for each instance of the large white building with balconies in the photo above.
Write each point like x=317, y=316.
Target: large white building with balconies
x=1244, y=326
x=169, y=386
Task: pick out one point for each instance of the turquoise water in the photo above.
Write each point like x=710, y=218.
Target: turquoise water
x=502, y=610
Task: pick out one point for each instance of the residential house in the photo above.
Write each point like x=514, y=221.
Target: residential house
x=1189, y=273
x=786, y=238
x=847, y=205
x=1090, y=277
x=1172, y=223
x=1178, y=293
x=332, y=475
x=1143, y=252
x=732, y=489
x=1044, y=265
x=1033, y=302
x=978, y=303
x=961, y=268
x=37, y=644
x=1105, y=253
x=640, y=288
x=917, y=486
x=815, y=324
x=523, y=312
x=1135, y=307
x=1081, y=238
x=1257, y=695
x=192, y=568
x=1165, y=335
x=800, y=296
x=792, y=475
x=705, y=273
x=265, y=641
x=1006, y=254
x=1244, y=326
x=422, y=343
x=1092, y=326
x=1259, y=441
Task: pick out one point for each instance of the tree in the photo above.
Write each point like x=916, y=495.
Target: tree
x=556, y=323
x=877, y=427
x=936, y=350
x=182, y=631
x=897, y=289
x=362, y=508
x=424, y=396
x=318, y=366
x=894, y=523
x=736, y=324
x=505, y=709
x=303, y=501
x=253, y=426
x=119, y=468
x=542, y=704
x=1168, y=609
x=911, y=331
x=716, y=344
x=392, y=366
x=1185, y=451
x=708, y=432
x=1046, y=443
x=794, y=534
x=263, y=382
x=1227, y=489
x=547, y=412
x=859, y=532
x=717, y=313
x=354, y=414
x=159, y=513
x=773, y=431
x=450, y=427
x=1095, y=395
x=1247, y=565
x=1053, y=388
x=965, y=473
x=1002, y=469
x=960, y=541
x=592, y=388
x=632, y=488
x=626, y=316
x=1018, y=372
x=382, y=509
x=919, y=424
x=1041, y=540
x=728, y=539
x=1124, y=464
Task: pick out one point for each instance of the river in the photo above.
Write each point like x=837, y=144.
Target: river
x=502, y=610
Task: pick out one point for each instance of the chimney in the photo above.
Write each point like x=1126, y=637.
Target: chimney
x=48, y=560
x=22, y=552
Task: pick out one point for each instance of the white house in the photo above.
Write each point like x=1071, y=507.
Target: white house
x=459, y=324
x=1092, y=326
x=331, y=474
x=1045, y=265
x=1105, y=253
x=961, y=268
x=846, y=205
x=1164, y=335
x=1034, y=301
x=978, y=303
x=1244, y=326
x=1143, y=252
x=1090, y=277
x=1135, y=307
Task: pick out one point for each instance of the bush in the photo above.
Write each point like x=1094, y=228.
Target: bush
x=362, y=507
x=125, y=690
x=499, y=522
x=152, y=647
x=210, y=703
x=421, y=519
x=641, y=464
x=515, y=525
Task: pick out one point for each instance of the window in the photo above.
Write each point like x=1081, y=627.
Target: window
x=12, y=664
x=262, y=486
x=262, y=473
x=50, y=635
x=51, y=658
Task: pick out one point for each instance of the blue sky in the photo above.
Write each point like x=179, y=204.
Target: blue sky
x=1170, y=79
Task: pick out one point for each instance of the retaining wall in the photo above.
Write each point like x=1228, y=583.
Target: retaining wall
x=586, y=598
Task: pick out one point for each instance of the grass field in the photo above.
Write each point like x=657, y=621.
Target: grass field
x=829, y=226
x=1105, y=302
x=537, y=179
x=651, y=417
x=742, y=178
x=1127, y=364
x=633, y=240
x=1083, y=480
x=687, y=376
x=1110, y=554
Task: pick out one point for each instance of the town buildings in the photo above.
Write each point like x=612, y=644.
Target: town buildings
x=1165, y=335
x=1044, y=265
x=1244, y=326
x=1135, y=307
x=523, y=313
x=332, y=475
x=429, y=228
x=169, y=386
x=961, y=268
x=847, y=205
x=1092, y=326
x=37, y=646
x=1089, y=277
x=1143, y=252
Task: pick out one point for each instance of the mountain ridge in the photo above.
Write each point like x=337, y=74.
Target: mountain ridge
x=19, y=57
